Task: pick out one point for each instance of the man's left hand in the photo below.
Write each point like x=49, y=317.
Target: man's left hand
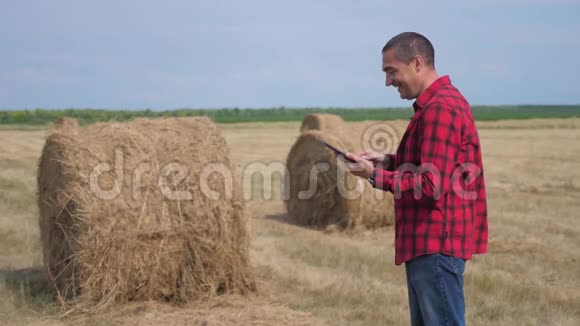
x=362, y=168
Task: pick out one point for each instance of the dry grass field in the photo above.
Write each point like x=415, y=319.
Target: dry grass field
x=531, y=275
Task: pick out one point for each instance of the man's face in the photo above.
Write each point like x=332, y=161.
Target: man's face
x=401, y=75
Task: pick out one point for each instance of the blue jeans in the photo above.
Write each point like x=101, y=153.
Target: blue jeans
x=435, y=285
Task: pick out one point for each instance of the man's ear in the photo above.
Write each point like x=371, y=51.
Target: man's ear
x=418, y=63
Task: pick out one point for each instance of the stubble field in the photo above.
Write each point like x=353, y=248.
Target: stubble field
x=531, y=275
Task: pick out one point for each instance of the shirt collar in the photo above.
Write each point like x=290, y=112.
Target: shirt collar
x=422, y=100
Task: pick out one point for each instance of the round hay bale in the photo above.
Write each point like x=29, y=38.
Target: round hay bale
x=125, y=213
x=66, y=122
x=322, y=193
x=331, y=123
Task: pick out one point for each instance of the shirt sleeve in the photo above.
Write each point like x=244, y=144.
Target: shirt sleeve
x=439, y=142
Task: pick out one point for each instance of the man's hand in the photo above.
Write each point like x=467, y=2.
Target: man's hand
x=382, y=161
x=374, y=157
x=362, y=168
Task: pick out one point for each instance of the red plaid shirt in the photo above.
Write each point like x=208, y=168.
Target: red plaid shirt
x=437, y=179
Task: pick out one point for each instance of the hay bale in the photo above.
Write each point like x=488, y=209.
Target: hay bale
x=340, y=199
x=133, y=232
x=66, y=122
x=331, y=123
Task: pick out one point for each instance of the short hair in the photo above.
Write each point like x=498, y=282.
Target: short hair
x=409, y=44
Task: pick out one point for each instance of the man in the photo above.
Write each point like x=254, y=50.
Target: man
x=437, y=180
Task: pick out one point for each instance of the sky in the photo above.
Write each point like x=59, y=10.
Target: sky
x=127, y=54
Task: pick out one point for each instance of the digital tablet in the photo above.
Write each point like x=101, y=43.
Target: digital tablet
x=337, y=151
